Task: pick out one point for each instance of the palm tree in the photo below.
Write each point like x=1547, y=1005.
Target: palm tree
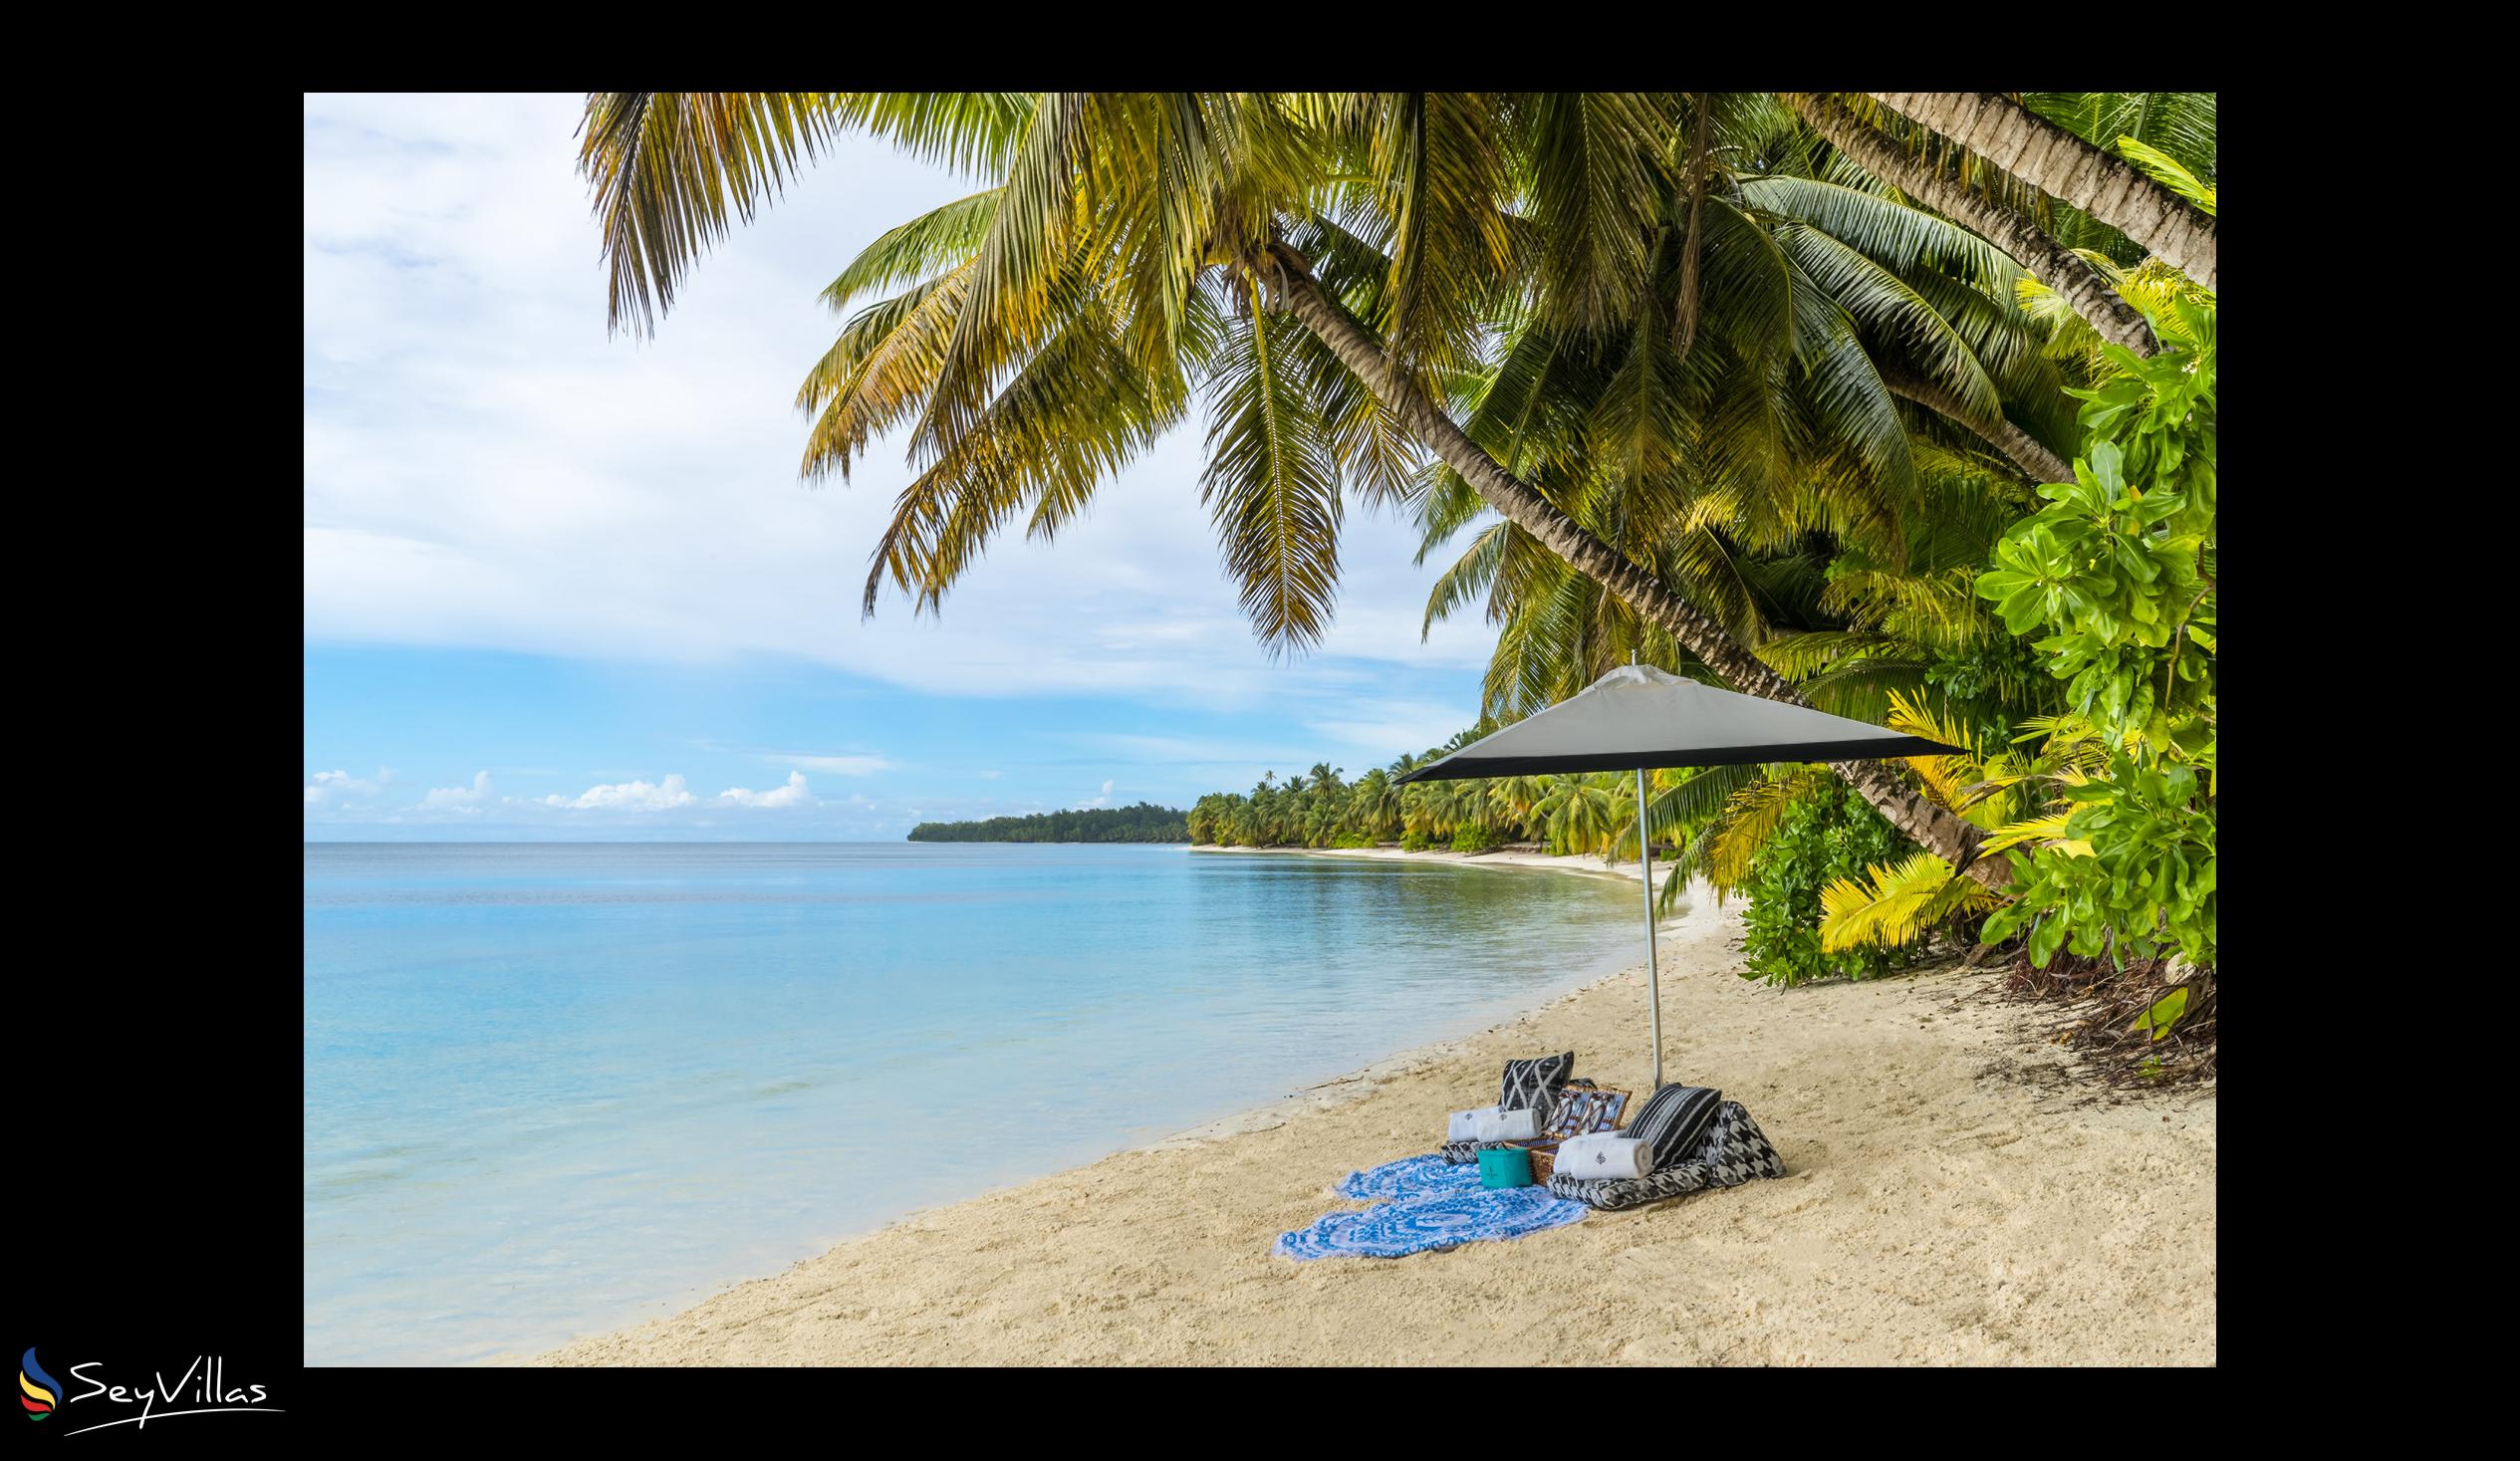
x=1510, y=800
x=1373, y=803
x=2064, y=165
x=1140, y=245
x=2069, y=273
x=1582, y=814
x=1934, y=314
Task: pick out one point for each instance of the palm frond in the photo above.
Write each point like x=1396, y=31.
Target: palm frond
x=1272, y=485
x=2165, y=169
x=938, y=241
x=1598, y=185
x=672, y=169
x=1896, y=903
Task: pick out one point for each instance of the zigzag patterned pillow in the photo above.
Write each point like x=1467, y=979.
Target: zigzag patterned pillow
x=1532, y=1084
x=1673, y=1121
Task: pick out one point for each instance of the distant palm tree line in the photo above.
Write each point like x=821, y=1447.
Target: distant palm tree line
x=1143, y=823
x=1590, y=813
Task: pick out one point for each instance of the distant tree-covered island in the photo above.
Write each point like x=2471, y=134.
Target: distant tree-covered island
x=1143, y=823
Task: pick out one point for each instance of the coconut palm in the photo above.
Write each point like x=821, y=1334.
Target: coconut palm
x=1319, y=265
x=2055, y=162
x=1584, y=812
x=1935, y=314
x=1374, y=806
x=2074, y=278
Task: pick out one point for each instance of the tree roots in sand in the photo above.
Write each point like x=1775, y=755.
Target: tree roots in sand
x=2106, y=1016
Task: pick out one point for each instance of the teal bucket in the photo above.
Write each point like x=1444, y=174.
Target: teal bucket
x=1504, y=1167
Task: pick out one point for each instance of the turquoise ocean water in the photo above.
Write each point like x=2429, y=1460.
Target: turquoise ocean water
x=558, y=1089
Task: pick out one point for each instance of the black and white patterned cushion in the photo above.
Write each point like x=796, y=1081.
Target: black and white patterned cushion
x=1673, y=1121
x=1532, y=1084
x=1732, y=1151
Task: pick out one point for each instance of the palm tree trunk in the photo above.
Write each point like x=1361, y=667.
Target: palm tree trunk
x=2027, y=452
x=2063, y=165
x=1933, y=829
x=2067, y=273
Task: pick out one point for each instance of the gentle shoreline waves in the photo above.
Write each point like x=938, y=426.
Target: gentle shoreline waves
x=1953, y=1196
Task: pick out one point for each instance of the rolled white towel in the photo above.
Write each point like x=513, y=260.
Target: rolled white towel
x=1464, y=1126
x=1604, y=1154
x=1496, y=1125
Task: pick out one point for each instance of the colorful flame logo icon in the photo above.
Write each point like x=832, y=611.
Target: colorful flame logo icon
x=42, y=1391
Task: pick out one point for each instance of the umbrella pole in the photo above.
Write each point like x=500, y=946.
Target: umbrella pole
x=1653, y=968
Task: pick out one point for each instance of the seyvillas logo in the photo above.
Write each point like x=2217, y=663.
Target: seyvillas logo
x=41, y=1392
x=203, y=1388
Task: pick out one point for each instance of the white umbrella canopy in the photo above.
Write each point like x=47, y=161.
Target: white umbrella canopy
x=1642, y=717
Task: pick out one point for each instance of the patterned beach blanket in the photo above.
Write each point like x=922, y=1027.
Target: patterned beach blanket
x=1430, y=1223
x=1411, y=1176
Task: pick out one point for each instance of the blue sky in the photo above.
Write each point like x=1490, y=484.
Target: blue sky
x=566, y=585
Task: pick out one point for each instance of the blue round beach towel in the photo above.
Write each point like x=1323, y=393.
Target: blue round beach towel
x=1411, y=1176
x=1424, y=1224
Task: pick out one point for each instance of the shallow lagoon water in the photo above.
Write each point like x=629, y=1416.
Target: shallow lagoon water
x=557, y=1088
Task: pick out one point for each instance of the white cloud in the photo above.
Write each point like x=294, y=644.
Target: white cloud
x=1390, y=727
x=629, y=795
x=337, y=788
x=461, y=798
x=484, y=467
x=860, y=765
x=793, y=794
x=991, y=775
x=1104, y=800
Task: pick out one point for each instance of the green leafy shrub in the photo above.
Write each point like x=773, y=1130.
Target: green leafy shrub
x=1476, y=839
x=1823, y=837
x=1352, y=840
x=2119, y=573
x=1414, y=841
x=2139, y=879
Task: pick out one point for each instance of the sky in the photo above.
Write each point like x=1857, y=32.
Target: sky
x=563, y=584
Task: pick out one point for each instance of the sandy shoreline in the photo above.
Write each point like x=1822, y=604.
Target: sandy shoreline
x=1589, y=866
x=1952, y=1197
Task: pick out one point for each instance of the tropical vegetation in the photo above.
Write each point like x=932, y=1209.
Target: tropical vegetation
x=1143, y=822
x=1896, y=405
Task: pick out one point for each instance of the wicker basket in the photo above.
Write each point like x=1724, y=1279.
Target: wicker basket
x=1580, y=1111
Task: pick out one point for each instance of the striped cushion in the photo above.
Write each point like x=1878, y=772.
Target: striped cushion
x=1532, y=1084
x=1673, y=1121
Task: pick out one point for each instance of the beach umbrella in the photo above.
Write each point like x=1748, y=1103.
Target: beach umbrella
x=1641, y=717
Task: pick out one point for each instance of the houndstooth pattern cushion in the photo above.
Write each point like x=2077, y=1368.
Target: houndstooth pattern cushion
x=1734, y=1151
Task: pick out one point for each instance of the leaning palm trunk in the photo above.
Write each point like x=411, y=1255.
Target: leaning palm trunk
x=2063, y=165
x=1934, y=829
x=2025, y=450
x=2069, y=273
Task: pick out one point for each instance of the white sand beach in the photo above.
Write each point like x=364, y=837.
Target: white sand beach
x=1954, y=1197
x=1503, y=858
